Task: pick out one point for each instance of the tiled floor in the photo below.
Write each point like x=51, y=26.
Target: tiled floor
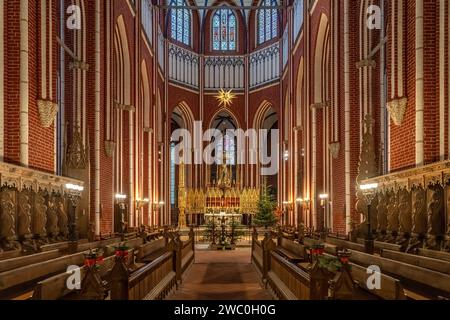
x=221, y=275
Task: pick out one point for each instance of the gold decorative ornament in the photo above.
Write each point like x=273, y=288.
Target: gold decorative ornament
x=397, y=110
x=47, y=112
x=225, y=98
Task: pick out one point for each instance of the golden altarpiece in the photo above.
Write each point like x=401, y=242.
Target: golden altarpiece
x=225, y=196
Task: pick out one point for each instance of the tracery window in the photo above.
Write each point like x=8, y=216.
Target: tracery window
x=224, y=29
x=180, y=22
x=267, y=21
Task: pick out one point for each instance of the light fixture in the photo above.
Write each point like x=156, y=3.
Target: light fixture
x=299, y=200
x=369, y=187
x=286, y=155
x=140, y=203
x=225, y=98
x=74, y=187
x=323, y=198
x=120, y=196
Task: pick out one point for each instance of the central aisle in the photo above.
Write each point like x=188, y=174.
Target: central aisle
x=222, y=275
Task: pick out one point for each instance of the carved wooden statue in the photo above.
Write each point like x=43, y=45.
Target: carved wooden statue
x=405, y=218
x=382, y=220
x=419, y=218
x=24, y=216
x=24, y=222
x=39, y=218
x=63, y=222
x=436, y=217
x=52, y=219
x=393, y=221
x=8, y=235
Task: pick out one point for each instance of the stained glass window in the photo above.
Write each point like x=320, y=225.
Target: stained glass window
x=229, y=143
x=267, y=21
x=180, y=22
x=224, y=28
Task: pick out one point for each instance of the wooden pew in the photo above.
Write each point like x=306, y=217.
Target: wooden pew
x=10, y=254
x=187, y=254
x=391, y=288
x=291, y=250
x=15, y=263
x=37, y=271
x=431, y=278
x=419, y=261
x=440, y=255
x=257, y=256
x=379, y=246
x=152, y=282
x=345, y=244
x=55, y=288
x=287, y=281
x=150, y=251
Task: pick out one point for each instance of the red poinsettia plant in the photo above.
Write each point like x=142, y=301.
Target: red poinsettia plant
x=93, y=259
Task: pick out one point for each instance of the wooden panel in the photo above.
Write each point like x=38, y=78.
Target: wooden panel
x=15, y=263
x=25, y=274
x=424, y=262
x=434, y=254
x=427, y=277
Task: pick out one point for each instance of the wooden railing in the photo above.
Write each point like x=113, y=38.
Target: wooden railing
x=154, y=281
x=287, y=281
x=157, y=279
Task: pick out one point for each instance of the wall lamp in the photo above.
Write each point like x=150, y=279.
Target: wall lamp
x=323, y=198
x=120, y=197
x=158, y=205
x=140, y=203
x=74, y=187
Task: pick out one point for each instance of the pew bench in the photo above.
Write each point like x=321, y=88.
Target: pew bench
x=379, y=246
x=412, y=273
x=287, y=281
x=15, y=263
x=149, y=252
x=153, y=281
x=55, y=288
x=419, y=261
x=292, y=251
x=440, y=255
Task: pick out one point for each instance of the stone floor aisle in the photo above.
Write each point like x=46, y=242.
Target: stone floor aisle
x=222, y=275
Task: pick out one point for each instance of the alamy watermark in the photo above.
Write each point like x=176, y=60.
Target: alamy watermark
x=251, y=146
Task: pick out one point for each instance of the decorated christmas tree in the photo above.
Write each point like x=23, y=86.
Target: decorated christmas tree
x=265, y=216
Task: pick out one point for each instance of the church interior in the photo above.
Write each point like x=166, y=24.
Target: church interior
x=224, y=150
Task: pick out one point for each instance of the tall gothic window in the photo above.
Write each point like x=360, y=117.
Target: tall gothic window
x=267, y=21
x=224, y=27
x=180, y=22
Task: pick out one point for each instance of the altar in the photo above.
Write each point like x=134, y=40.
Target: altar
x=196, y=205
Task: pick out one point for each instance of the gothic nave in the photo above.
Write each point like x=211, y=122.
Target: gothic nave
x=224, y=150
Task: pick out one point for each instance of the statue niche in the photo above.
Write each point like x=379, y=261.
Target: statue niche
x=392, y=215
x=405, y=218
x=383, y=200
x=419, y=218
x=436, y=217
